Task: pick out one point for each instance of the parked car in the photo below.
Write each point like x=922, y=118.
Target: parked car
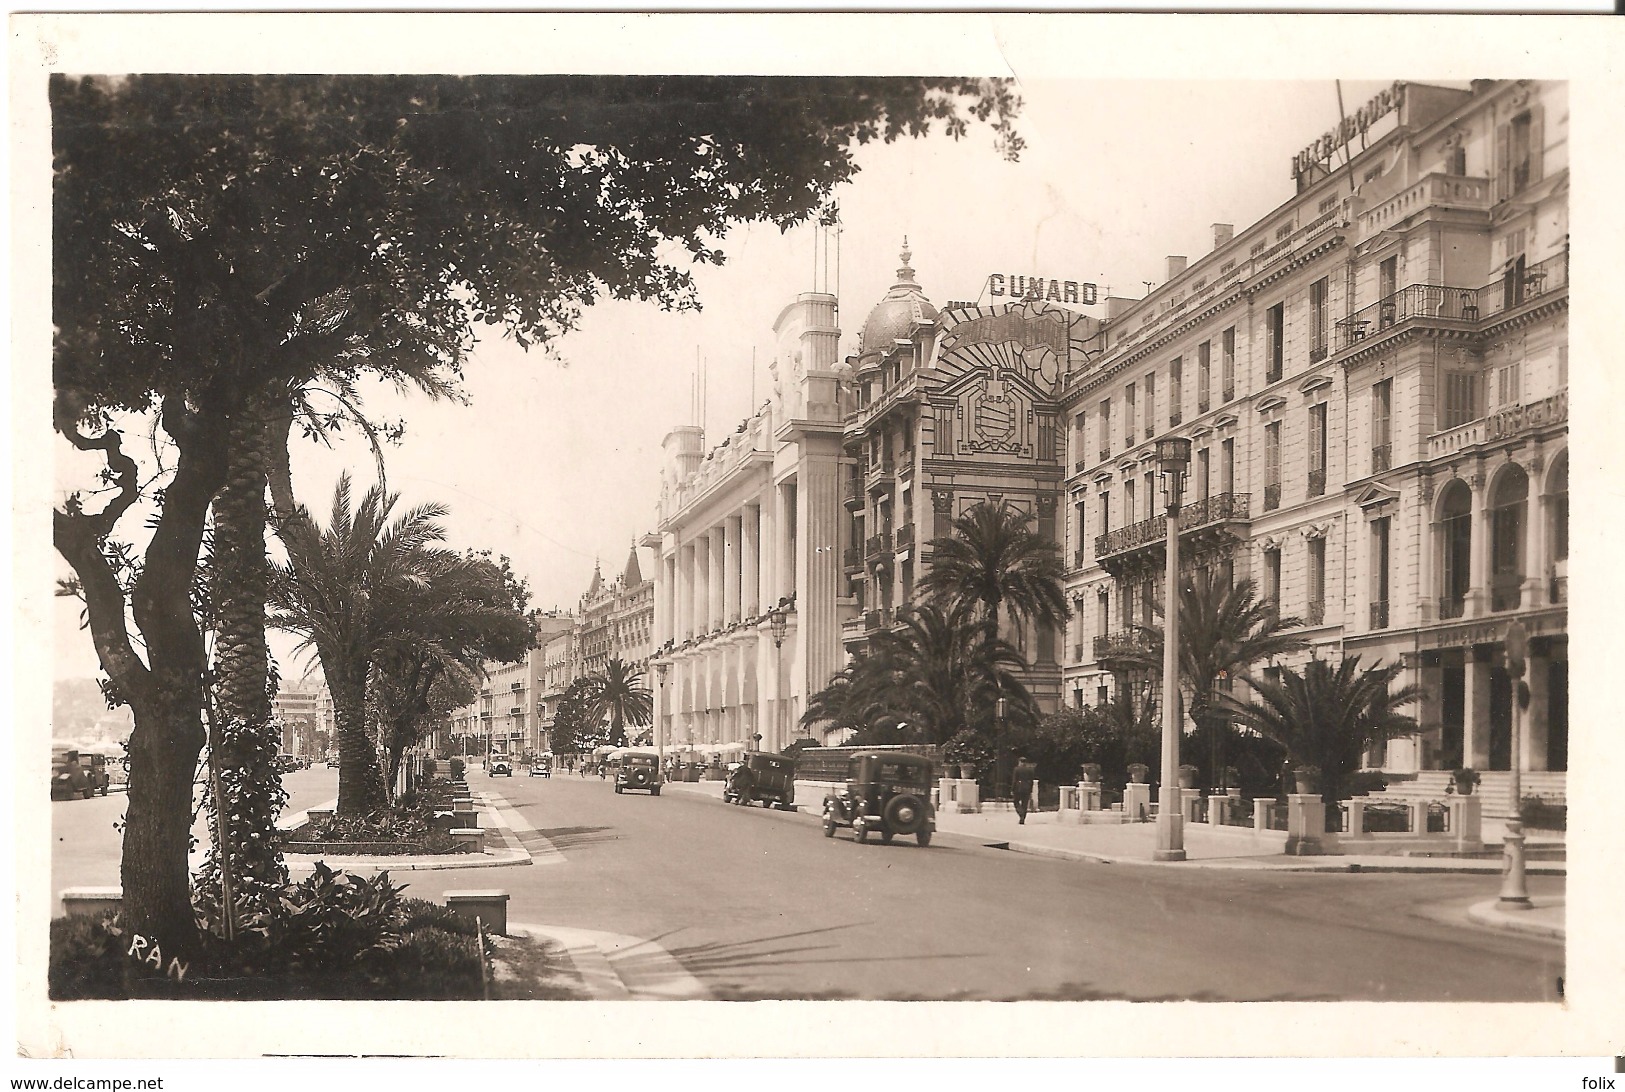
x=542, y=767
x=638, y=771
x=499, y=767
x=332, y=762
x=886, y=792
x=766, y=777
x=76, y=774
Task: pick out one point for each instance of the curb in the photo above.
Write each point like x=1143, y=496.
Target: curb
x=306, y=862
x=1490, y=915
x=617, y=967
x=1323, y=864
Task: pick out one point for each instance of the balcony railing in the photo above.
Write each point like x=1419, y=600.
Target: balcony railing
x=852, y=492
x=1503, y=423
x=1078, y=559
x=1124, y=644
x=1318, y=353
x=1379, y=614
x=1175, y=419
x=1272, y=497
x=880, y=474
x=1541, y=279
x=1317, y=482
x=879, y=619
x=871, y=619
x=1219, y=508
x=1078, y=467
x=1382, y=457
x=1229, y=392
x=877, y=545
x=1105, y=453
x=852, y=558
x=1413, y=301
x=1451, y=606
x=1203, y=405
x=1316, y=615
x=905, y=536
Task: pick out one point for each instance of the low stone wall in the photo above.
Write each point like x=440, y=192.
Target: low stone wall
x=829, y=763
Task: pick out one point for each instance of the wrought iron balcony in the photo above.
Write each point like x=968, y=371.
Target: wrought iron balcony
x=1175, y=419
x=881, y=474
x=1105, y=453
x=1451, y=606
x=852, y=558
x=905, y=465
x=1272, y=497
x=1229, y=392
x=1078, y=467
x=1204, y=515
x=1317, y=354
x=1128, y=644
x=852, y=492
x=1317, y=482
x=878, y=545
x=905, y=536
x=1379, y=614
x=1316, y=614
x=1544, y=278
x=1414, y=301
x=1382, y=457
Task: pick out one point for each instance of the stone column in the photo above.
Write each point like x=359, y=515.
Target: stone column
x=702, y=584
x=713, y=584
x=666, y=602
x=1475, y=718
x=767, y=553
x=790, y=531
x=1536, y=719
x=818, y=499
x=731, y=562
x=1535, y=587
x=1478, y=590
x=685, y=592
x=750, y=589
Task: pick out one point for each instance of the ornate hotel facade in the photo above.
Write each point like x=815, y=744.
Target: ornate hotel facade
x=1374, y=378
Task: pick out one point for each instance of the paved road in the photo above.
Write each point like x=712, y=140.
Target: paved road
x=758, y=905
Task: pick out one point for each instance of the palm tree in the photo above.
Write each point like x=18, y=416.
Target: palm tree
x=993, y=560
x=366, y=590
x=618, y=692
x=856, y=697
x=1224, y=629
x=1327, y=717
x=947, y=672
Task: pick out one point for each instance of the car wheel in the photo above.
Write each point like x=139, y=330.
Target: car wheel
x=617, y=789
x=863, y=835
x=829, y=828
x=925, y=838
x=905, y=814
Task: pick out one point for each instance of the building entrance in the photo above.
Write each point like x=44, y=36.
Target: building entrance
x=1500, y=719
x=1452, y=715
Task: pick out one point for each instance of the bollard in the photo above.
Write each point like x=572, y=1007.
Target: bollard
x=490, y=907
x=1356, y=818
x=1136, y=802
x=1467, y=821
x=1088, y=797
x=1261, y=814
x=1305, y=825
x=472, y=838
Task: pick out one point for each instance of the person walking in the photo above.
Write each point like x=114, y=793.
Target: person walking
x=1021, y=787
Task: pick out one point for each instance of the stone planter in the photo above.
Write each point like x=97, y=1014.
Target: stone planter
x=1091, y=773
x=1464, y=786
x=1187, y=777
x=1307, y=779
x=1138, y=772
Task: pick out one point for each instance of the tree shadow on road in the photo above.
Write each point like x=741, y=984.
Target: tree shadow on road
x=575, y=837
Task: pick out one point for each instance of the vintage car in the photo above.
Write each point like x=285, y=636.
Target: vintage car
x=542, y=766
x=635, y=770
x=499, y=766
x=76, y=773
x=766, y=777
x=887, y=793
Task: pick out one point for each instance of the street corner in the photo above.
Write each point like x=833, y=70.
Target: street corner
x=1543, y=917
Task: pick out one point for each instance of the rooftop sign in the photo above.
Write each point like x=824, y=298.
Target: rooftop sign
x=1036, y=288
x=1353, y=125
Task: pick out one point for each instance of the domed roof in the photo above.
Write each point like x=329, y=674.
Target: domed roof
x=902, y=307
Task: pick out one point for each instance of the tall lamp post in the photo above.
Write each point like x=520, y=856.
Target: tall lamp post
x=1173, y=456
x=661, y=667
x=778, y=623
x=1514, y=886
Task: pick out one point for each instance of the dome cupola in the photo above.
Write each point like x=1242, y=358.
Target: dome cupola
x=901, y=308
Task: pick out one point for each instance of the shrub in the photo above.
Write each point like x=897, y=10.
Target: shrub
x=334, y=918
x=431, y=965
x=86, y=960
x=1365, y=783
x=1535, y=813
x=430, y=768
x=423, y=914
x=458, y=766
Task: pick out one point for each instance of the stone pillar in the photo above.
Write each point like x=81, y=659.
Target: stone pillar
x=1535, y=587
x=750, y=588
x=1089, y=796
x=1478, y=590
x=714, y=584
x=1467, y=821
x=1475, y=719
x=1536, y=719
x=1306, y=834
x=818, y=623
x=1136, y=802
x=731, y=569
x=685, y=591
x=790, y=531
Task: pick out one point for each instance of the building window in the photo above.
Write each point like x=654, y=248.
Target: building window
x=1387, y=285
x=1317, y=449
x=1128, y=416
x=1227, y=351
x=1203, y=474
x=1319, y=313
x=1125, y=606
x=1272, y=580
x=1326, y=205
x=1317, y=581
x=1204, y=376
x=1079, y=454
x=1272, y=465
x=1103, y=613
x=1455, y=550
x=1105, y=428
x=1103, y=696
x=1382, y=409
x=1522, y=153
x=1227, y=466
x=1128, y=502
x=1176, y=391
x=1275, y=342
x=1150, y=403
x=1509, y=385
x=1460, y=404
x=1379, y=573
x=1150, y=494
x=1456, y=160
x=1083, y=533
x=1506, y=538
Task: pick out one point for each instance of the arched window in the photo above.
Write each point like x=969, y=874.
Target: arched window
x=1506, y=538
x=1557, y=529
x=1455, y=531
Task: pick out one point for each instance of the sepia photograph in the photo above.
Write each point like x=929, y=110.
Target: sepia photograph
x=558, y=533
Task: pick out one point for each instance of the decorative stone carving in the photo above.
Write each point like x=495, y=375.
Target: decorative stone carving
x=1046, y=505
x=942, y=501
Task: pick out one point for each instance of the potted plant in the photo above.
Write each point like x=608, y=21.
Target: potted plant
x=1232, y=781
x=1464, y=779
x=1138, y=772
x=1307, y=779
x=1187, y=777
x=1091, y=773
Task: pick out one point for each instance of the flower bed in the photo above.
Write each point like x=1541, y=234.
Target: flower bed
x=418, y=823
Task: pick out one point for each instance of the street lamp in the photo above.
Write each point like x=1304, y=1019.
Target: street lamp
x=778, y=623
x=1173, y=456
x=1514, y=886
x=661, y=667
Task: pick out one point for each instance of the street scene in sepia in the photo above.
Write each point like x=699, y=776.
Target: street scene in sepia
x=597, y=538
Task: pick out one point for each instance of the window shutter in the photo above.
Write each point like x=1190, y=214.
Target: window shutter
x=1503, y=162
x=1537, y=142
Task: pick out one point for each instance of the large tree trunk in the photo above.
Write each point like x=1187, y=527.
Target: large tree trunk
x=247, y=740
x=361, y=783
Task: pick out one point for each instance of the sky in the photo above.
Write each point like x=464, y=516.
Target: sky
x=555, y=462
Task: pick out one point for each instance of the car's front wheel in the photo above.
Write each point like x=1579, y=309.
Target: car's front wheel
x=829, y=828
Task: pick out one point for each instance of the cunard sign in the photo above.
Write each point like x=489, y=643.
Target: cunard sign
x=1022, y=287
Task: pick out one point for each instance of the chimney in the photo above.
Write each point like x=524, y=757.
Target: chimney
x=1223, y=233
x=1176, y=265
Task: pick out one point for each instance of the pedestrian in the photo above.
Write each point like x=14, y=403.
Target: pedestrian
x=1021, y=787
